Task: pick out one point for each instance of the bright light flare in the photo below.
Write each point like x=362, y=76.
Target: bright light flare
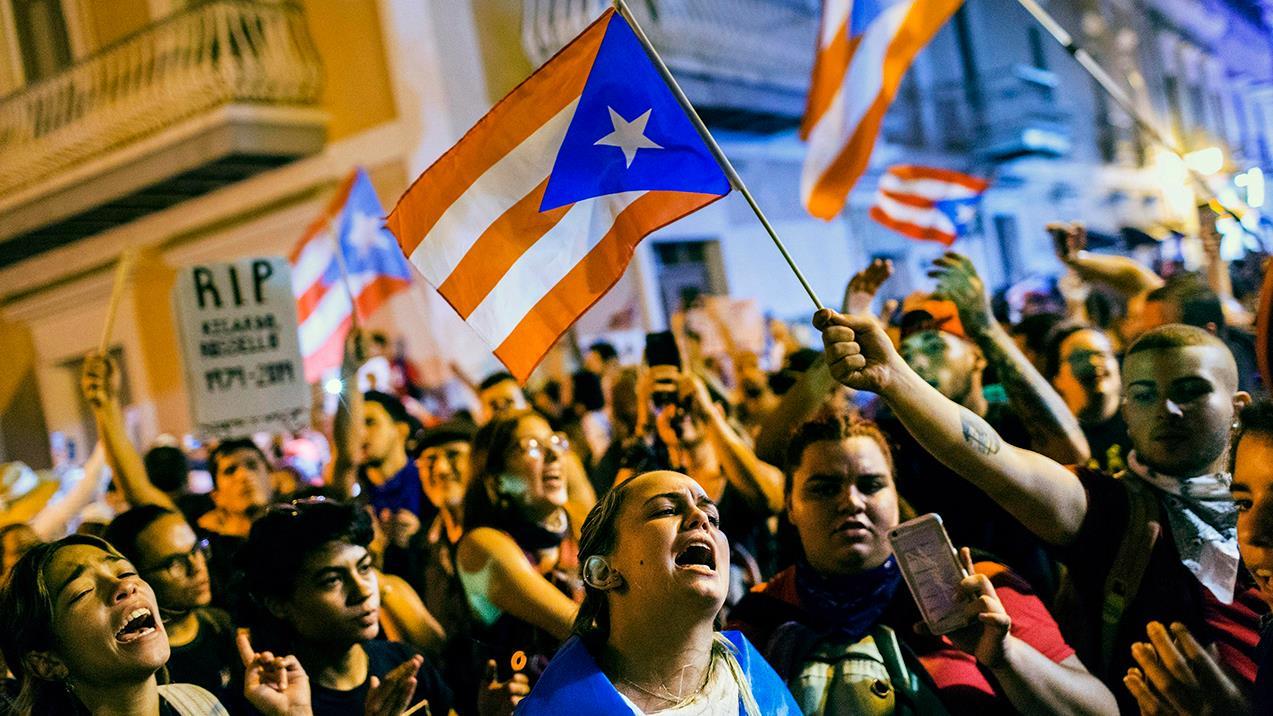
x=333, y=386
x=1206, y=161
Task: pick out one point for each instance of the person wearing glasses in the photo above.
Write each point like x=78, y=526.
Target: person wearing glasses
x=517, y=559
x=173, y=560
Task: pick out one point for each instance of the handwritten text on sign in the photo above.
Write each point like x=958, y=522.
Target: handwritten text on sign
x=239, y=344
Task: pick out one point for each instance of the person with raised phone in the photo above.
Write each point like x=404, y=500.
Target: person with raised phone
x=1158, y=545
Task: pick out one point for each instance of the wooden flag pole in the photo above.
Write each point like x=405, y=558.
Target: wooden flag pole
x=735, y=180
x=123, y=268
x=1116, y=93
x=344, y=279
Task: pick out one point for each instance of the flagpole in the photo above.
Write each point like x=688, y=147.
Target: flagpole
x=344, y=279
x=1111, y=87
x=735, y=180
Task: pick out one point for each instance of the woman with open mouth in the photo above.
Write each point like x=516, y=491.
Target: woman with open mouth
x=656, y=570
x=81, y=632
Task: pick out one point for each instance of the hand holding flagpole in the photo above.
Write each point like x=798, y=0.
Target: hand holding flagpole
x=713, y=147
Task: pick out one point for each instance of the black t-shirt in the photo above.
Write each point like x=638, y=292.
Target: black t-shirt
x=971, y=518
x=1108, y=443
x=383, y=657
x=211, y=660
x=228, y=589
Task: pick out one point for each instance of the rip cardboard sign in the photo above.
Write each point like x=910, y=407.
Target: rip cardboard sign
x=240, y=348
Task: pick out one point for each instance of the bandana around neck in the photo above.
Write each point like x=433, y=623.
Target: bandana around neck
x=849, y=605
x=1204, y=524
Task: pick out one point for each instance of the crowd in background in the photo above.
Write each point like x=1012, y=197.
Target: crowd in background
x=702, y=532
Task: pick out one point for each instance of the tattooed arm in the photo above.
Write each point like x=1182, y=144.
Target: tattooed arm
x=1041, y=494
x=1054, y=431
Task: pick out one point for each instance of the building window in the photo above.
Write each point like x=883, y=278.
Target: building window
x=1009, y=251
x=687, y=270
x=42, y=37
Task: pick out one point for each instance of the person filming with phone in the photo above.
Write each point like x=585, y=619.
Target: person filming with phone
x=840, y=626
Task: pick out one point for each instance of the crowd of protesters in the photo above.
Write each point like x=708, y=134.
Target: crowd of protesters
x=697, y=533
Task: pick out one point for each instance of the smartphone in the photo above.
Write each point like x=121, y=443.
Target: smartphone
x=660, y=349
x=932, y=572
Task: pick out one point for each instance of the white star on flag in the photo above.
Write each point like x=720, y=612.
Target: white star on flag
x=628, y=136
x=965, y=213
x=366, y=234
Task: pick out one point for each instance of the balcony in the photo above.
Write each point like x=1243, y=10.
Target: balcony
x=1005, y=114
x=204, y=98
x=745, y=64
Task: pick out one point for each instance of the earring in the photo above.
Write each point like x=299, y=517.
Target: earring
x=598, y=574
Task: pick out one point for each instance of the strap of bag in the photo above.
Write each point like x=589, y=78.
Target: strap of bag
x=1130, y=563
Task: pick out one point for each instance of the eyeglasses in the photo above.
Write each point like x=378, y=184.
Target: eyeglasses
x=453, y=456
x=294, y=507
x=534, y=447
x=182, y=565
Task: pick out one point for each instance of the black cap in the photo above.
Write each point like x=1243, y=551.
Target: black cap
x=448, y=432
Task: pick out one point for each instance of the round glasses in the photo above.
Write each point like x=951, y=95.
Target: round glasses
x=534, y=447
x=182, y=565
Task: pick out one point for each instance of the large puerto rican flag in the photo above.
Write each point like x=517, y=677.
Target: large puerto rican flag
x=373, y=270
x=864, y=49
x=535, y=213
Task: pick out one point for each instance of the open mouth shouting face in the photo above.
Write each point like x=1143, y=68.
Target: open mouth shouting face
x=670, y=546
x=105, y=619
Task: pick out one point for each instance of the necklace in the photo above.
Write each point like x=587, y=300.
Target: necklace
x=670, y=697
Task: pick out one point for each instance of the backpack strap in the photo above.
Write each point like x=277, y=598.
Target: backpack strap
x=914, y=688
x=1122, y=584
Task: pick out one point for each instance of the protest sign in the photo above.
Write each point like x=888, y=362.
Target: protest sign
x=240, y=348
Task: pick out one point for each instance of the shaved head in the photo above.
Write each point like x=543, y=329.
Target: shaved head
x=1178, y=335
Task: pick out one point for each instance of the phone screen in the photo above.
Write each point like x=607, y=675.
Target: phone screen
x=932, y=573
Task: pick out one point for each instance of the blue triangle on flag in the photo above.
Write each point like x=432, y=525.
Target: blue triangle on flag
x=961, y=212
x=628, y=132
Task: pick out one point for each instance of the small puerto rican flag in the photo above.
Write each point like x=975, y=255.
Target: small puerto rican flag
x=928, y=203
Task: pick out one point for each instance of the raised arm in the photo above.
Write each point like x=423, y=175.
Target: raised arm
x=51, y=522
x=811, y=389
x=1054, y=431
x=1041, y=494
x=759, y=481
x=98, y=385
x=347, y=424
x=1125, y=275
x=512, y=584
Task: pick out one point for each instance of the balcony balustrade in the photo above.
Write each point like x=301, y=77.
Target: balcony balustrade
x=205, y=97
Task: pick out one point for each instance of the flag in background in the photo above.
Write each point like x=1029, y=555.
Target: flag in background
x=864, y=49
x=535, y=213
x=376, y=270
x=928, y=203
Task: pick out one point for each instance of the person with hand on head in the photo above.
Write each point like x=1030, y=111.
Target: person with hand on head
x=173, y=560
x=837, y=626
x=644, y=641
x=1175, y=675
x=1158, y=545
x=81, y=632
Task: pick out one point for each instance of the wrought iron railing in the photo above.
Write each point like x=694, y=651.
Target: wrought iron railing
x=761, y=42
x=211, y=54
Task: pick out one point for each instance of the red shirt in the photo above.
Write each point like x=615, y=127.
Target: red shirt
x=961, y=683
